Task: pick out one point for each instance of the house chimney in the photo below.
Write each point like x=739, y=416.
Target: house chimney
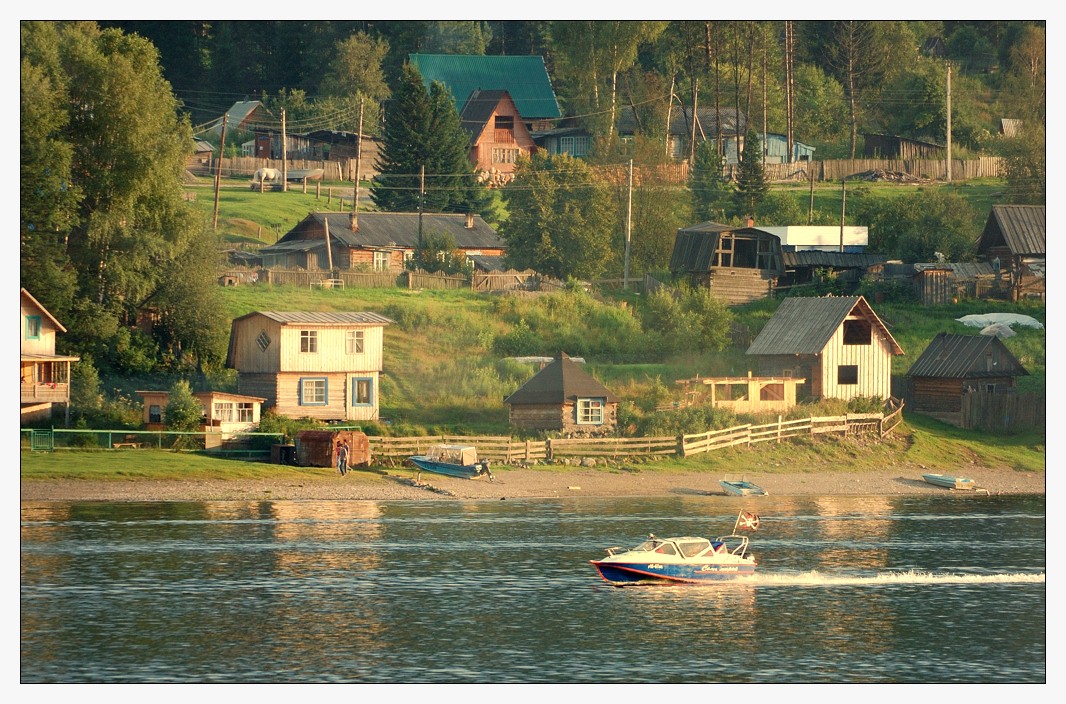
x=353, y=222
x=751, y=221
x=470, y=221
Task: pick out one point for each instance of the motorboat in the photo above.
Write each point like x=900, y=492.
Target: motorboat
x=742, y=488
x=453, y=461
x=682, y=559
x=949, y=482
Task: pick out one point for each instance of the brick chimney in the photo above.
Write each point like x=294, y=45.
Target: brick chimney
x=353, y=222
x=470, y=221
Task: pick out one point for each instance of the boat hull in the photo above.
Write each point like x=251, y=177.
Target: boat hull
x=655, y=572
x=450, y=470
x=948, y=482
x=742, y=488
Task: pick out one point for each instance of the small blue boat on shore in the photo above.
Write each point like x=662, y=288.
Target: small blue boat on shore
x=453, y=461
x=742, y=488
x=949, y=482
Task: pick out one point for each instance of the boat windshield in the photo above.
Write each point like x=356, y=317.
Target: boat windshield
x=663, y=547
x=453, y=454
x=691, y=548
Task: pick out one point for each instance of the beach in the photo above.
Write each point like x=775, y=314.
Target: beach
x=365, y=485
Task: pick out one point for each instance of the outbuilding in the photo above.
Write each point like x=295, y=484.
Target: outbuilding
x=562, y=396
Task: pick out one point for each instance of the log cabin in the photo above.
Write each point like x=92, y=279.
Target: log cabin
x=564, y=397
x=324, y=366
x=45, y=375
x=954, y=365
x=837, y=343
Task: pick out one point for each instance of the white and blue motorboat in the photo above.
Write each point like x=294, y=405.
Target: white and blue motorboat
x=453, y=461
x=682, y=559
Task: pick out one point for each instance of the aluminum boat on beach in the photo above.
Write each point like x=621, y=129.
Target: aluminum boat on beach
x=739, y=487
x=682, y=559
x=453, y=461
x=949, y=482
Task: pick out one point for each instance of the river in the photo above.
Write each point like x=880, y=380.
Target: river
x=925, y=589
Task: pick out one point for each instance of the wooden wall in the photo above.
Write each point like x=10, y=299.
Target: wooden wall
x=283, y=353
x=874, y=362
x=46, y=344
x=737, y=286
x=561, y=417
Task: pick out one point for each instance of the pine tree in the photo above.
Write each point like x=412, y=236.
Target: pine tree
x=751, y=179
x=707, y=185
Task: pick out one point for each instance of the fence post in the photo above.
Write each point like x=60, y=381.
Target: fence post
x=681, y=445
x=779, y=429
x=548, y=452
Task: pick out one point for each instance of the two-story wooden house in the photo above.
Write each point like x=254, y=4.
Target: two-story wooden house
x=837, y=343
x=45, y=375
x=310, y=365
x=498, y=136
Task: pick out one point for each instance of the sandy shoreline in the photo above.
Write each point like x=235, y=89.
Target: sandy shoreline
x=519, y=484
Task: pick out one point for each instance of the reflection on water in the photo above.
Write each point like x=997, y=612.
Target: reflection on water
x=850, y=589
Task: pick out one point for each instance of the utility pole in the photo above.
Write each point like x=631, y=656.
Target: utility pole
x=329, y=249
x=218, y=171
x=669, y=107
x=284, y=155
x=843, y=199
x=421, y=206
x=358, y=155
x=949, y=123
x=629, y=228
x=810, y=210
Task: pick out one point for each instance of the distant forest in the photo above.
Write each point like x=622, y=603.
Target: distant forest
x=825, y=82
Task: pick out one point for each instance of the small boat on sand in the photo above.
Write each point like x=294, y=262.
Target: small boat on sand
x=453, y=461
x=949, y=482
x=682, y=559
x=742, y=488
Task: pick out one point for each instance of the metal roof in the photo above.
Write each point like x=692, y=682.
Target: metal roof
x=1021, y=228
x=961, y=356
x=562, y=380
x=681, y=121
x=805, y=325
x=386, y=230
x=835, y=260
x=524, y=77
x=477, y=110
x=963, y=271
x=321, y=318
x=694, y=246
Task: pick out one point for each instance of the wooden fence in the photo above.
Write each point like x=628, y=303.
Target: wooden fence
x=1003, y=412
x=508, y=451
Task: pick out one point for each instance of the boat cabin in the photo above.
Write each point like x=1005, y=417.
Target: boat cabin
x=464, y=455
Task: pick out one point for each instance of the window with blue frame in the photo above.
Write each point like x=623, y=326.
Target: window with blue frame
x=362, y=392
x=314, y=391
x=33, y=327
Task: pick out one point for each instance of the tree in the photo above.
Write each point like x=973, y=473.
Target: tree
x=707, y=184
x=561, y=218
x=821, y=108
x=183, y=412
x=423, y=132
x=457, y=37
x=439, y=253
x=1026, y=161
x=751, y=184
x=692, y=321
x=915, y=226
x=355, y=69
x=856, y=57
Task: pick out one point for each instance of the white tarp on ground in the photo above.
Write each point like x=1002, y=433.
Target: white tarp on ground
x=1009, y=319
x=999, y=330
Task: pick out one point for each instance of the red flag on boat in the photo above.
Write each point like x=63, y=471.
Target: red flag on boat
x=749, y=521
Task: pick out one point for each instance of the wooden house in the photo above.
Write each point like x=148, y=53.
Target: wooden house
x=808, y=266
x=739, y=265
x=524, y=77
x=775, y=149
x=199, y=162
x=375, y=241
x=683, y=127
x=837, y=343
x=310, y=365
x=498, y=136
x=249, y=116
x=45, y=375
x=954, y=365
x=564, y=397
x=573, y=140
x=224, y=413
x=887, y=146
x=1014, y=241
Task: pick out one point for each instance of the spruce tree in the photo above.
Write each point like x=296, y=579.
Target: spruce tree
x=707, y=184
x=751, y=185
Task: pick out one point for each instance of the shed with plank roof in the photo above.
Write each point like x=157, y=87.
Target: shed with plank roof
x=1015, y=237
x=562, y=396
x=954, y=365
x=837, y=343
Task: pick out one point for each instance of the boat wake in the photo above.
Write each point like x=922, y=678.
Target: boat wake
x=821, y=579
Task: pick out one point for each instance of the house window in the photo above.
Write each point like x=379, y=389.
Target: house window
x=309, y=341
x=224, y=411
x=353, y=342
x=33, y=327
x=263, y=340
x=155, y=414
x=857, y=332
x=314, y=391
x=245, y=413
x=574, y=146
x=848, y=374
x=990, y=388
x=590, y=411
x=381, y=261
x=362, y=392
x=504, y=156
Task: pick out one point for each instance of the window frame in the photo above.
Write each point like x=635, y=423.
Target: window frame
x=354, y=341
x=301, y=398
x=381, y=260
x=840, y=374
x=34, y=321
x=245, y=411
x=356, y=380
x=224, y=411
x=309, y=341
x=590, y=410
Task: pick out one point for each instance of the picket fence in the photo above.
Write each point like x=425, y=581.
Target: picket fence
x=506, y=450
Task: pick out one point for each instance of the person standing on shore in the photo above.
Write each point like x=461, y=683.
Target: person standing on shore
x=342, y=457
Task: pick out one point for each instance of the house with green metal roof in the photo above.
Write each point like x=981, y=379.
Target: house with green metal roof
x=525, y=78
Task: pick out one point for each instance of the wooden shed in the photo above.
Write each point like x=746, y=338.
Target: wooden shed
x=1015, y=239
x=954, y=365
x=836, y=342
x=318, y=448
x=739, y=265
x=563, y=396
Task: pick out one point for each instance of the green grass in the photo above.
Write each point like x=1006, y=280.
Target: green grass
x=152, y=464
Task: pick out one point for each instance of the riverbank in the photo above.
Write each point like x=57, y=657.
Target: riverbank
x=401, y=485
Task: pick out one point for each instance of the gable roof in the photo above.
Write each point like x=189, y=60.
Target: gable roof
x=805, y=325
x=681, y=122
x=962, y=356
x=1021, y=228
x=34, y=302
x=320, y=318
x=560, y=381
x=478, y=109
x=386, y=230
x=241, y=111
x=694, y=246
x=524, y=77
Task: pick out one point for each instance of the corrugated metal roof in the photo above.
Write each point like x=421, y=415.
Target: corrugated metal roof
x=562, y=380
x=1010, y=127
x=525, y=78
x=804, y=325
x=322, y=318
x=1022, y=228
x=835, y=260
x=694, y=246
x=961, y=356
x=681, y=121
x=386, y=230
